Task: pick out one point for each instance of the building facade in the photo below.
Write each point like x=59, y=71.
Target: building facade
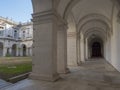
x=15, y=38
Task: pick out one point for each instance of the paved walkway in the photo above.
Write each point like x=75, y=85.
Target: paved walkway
x=4, y=84
x=93, y=75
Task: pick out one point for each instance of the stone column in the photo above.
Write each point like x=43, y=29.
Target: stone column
x=4, y=51
x=78, y=50
x=10, y=51
x=45, y=41
x=21, y=51
x=82, y=48
x=30, y=51
x=86, y=49
x=62, y=49
x=17, y=50
x=27, y=51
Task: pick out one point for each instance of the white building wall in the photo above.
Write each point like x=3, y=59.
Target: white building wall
x=115, y=43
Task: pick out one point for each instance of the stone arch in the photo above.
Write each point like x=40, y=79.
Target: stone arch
x=1, y=49
x=96, y=48
x=69, y=4
x=94, y=17
x=96, y=31
x=14, y=50
x=89, y=35
x=24, y=48
x=92, y=25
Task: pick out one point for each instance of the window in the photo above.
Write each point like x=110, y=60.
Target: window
x=23, y=34
x=1, y=33
x=1, y=27
x=15, y=34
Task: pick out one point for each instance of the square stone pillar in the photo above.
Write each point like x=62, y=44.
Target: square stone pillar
x=78, y=50
x=17, y=50
x=82, y=48
x=62, y=49
x=45, y=46
x=10, y=51
x=27, y=51
x=21, y=51
x=86, y=49
x=4, y=51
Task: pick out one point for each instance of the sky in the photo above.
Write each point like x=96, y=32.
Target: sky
x=17, y=10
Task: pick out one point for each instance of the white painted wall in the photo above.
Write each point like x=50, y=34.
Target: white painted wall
x=115, y=43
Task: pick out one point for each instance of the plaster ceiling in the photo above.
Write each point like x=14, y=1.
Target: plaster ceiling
x=80, y=8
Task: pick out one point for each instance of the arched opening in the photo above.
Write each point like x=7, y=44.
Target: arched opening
x=8, y=51
x=14, y=50
x=24, y=50
x=96, y=50
x=11, y=35
x=95, y=47
x=1, y=49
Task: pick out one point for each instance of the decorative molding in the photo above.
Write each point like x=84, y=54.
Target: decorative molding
x=71, y=34
x=118, y=17
x=47, y=16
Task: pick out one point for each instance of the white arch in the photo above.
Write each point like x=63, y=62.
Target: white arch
x=96, y=31
x=91, y=18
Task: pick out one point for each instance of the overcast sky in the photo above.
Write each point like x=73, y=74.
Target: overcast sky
x=18, y=10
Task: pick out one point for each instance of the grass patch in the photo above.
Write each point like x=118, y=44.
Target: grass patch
x=8, y=71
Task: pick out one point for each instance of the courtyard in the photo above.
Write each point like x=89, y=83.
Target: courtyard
x=92, y=75
x=76, y=46
x=14, y=66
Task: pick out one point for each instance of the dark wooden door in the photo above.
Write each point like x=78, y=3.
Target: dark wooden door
x=96, y=49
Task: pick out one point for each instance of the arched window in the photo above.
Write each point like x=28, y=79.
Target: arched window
x=23, y=34
x=15, y=34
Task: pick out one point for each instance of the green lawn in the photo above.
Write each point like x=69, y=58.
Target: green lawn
x=11, y=67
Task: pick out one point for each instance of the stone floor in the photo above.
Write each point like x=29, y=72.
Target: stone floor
x=92, y=75
x=4, y=84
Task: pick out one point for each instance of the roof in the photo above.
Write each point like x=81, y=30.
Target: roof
x=9, y=21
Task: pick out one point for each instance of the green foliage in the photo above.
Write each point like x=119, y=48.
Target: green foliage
x=8, y=55
x=9, y=71
x=13, y=70
x=14, y=66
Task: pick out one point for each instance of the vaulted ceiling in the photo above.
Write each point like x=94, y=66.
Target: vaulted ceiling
x=88, y=15
x=81, y=8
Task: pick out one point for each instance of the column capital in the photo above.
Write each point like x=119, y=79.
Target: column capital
x=43, y=17
x=118, y=17
x=62, y=24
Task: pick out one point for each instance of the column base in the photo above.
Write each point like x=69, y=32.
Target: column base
x=83, y=62
x=51, y=78
x=65, y=71
x=79, y=63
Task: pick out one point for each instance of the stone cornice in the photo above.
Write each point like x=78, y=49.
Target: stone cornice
x=9, y=39
x=71, y=34
x=47, y=16
x=43, y=17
